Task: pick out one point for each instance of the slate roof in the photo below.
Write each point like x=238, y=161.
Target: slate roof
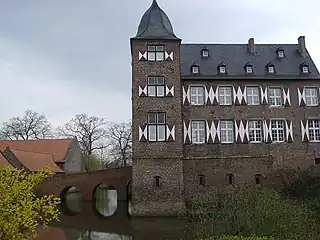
x=155, y=24
x=235, y=57
x=58, y=148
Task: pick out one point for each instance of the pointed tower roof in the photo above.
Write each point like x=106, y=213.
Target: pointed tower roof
x=155, y=24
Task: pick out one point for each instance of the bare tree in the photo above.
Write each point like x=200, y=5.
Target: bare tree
x=119, y=135
x=89, y=130
x=32, y=125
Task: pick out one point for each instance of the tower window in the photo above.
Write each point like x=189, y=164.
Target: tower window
x=156, y=87
x=230, y=178
x=156, y=53
x=202, y=181
x=157, y=181
x=257, y=178
x=156, y=127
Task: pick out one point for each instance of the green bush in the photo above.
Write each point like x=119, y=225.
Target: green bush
x=242, y=238
x=246, y=210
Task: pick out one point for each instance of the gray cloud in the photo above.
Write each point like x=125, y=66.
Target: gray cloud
x=65, y=57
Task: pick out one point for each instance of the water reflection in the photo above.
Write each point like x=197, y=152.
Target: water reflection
x=72, y=199
x=106, y=200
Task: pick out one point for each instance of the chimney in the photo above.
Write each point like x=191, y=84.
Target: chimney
x=251, y=45
x=302, y=46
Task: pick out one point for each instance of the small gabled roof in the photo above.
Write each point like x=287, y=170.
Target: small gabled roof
x=155, y=24
x=235, y=56
x=58, y=148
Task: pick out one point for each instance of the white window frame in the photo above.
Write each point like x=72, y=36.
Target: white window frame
x=314, y=130
x=156, y=126
x=271, y=69
x=230, y=138
x=274, y=96
x=224, y=96
x=251, y=95
x=280, y=53
x=305, y=69
x=195, y=69
x=197, y=97
x=257, y=131
x=205, y=53
x=222, y=69
x=155, y=54
x=249, y=69
x=198, y=131
x=313, y=96
x=158, y=86
x=278, y=130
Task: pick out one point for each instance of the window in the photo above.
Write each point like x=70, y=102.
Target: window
x=280, y=53
x=156, y=86
x=317, y=161
x=156, y=127
x=314, y=130
x=312, y=96
x=222, y=69
x=305, y=69
x=226, y=131
x=195, y=69
x=202, y=181
x=157, y=181
x=253, y=96
x=198, y=132
x=255, y=131
x=205, y=53
x=275, y=97
x=155, y=53
x=277, y=130
x=258, y=178
x=270, y=68
x=249, y=69
x=197, y=95
x=225, y=95
x=230, y=178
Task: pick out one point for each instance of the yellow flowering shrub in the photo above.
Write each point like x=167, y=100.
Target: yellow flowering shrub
x=21, y=211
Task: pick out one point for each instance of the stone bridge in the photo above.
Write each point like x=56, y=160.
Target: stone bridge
x=118, y=178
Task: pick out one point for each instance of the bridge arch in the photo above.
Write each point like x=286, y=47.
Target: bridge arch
x=105, y=199
x=71, y=200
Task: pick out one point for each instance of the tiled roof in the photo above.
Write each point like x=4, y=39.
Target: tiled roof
x=36, y=161
x=58, y=148
x=155, y=24
x=235, y=57
x=3, y=161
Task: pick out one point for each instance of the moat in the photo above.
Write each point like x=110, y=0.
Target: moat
x=108, y=219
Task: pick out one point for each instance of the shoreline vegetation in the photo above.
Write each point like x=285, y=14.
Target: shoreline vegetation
x=247, y=212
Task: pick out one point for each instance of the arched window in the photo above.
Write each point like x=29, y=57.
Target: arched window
x=202, y=180
x=157, y=181
x=230, y=178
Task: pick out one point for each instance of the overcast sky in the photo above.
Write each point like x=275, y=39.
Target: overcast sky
x=62, y=57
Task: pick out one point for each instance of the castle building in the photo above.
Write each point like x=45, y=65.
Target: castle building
x=209, y=115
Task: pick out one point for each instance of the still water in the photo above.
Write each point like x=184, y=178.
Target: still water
x=105, y=218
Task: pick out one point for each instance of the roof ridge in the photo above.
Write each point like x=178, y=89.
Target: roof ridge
x=28, y=151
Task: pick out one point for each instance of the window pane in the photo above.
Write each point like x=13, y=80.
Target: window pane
x=197, y=95
x=312, y=97
x=151, y=80
x=198, y=131
x=151, y=56
x=160, y=91
x=253, y=97
x=161, y=118
x=160, y=56
x=159, y=48
x=225, y=96
x=160, y=80
x=161, y=132
x=152, y=118
x=151, y=48
x=226, y=131
x=195, y=69
x=275, y=96
x=151, y=91
x=152, y=132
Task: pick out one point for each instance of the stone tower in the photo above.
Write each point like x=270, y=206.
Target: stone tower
x=158, y=185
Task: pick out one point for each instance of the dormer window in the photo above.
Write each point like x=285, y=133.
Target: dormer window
x=271, y=68
x=248, y=68
x=195, y=69
x=304, y=68
x=222, y=68
x=205, y=53
x=280, y=53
